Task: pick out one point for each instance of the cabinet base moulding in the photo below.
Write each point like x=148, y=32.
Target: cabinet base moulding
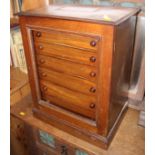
x=95, y=139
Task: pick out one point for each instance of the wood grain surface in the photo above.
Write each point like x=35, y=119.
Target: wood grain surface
x=90, y=113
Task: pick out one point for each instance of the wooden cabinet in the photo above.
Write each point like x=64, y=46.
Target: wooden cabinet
x=29, y=140
x=48, y=144
x=79, y=61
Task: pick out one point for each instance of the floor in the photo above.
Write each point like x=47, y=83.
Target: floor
x=130, y=138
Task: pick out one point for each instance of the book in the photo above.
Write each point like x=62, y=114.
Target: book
x=17, y=50
x=13, y=53
x=17, y=5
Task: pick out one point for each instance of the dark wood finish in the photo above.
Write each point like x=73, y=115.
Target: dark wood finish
x=73, y=40
x=122, y=62
x=66, y=67
x=92, y=108
x=72, y=54
x=68, y=99
x=67, y=81
x=96, y=14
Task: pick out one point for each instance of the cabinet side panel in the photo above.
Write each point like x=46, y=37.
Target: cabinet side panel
x=28, y=46
x=121, y=67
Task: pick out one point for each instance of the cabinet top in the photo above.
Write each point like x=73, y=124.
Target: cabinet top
x=97, y=14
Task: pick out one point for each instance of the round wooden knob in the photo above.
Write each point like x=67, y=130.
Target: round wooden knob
x=42, y=61
x=43, y=74
x=92, y=59
x=41, y=47
x=38, y=34
x=92, y=105
x=93, y=89
x=93, y=43
x=92, y=74
x=45, y=88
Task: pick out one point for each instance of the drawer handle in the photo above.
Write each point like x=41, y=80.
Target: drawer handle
x=41, y=47
x=42, y=61
x=43, y=74
x=93, y=43
x=92, y=105
x=38, y=34
x=92, y=90
x=92, y=59
x=92, y=74
x=45, y=88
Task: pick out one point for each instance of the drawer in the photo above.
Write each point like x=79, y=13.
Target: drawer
x=67, y=81
x=66, y=38
x=70, y=100
x=68, y=53
x=67, y=67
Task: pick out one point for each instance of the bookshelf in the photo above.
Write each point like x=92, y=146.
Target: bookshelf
x=17, y=50
x=17, y=56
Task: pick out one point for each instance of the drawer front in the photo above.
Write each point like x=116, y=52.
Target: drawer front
x=67, y=81
x=67, y=53
x=70, y=100
x=62, y=66
x=66, y=38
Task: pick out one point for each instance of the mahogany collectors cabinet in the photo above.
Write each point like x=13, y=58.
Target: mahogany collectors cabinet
x=79, y=61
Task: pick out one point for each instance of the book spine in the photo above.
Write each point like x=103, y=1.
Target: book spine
x=20, y=4
x=21, y=57
x=11, y=60
x=13, y=52
x=17, y=50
